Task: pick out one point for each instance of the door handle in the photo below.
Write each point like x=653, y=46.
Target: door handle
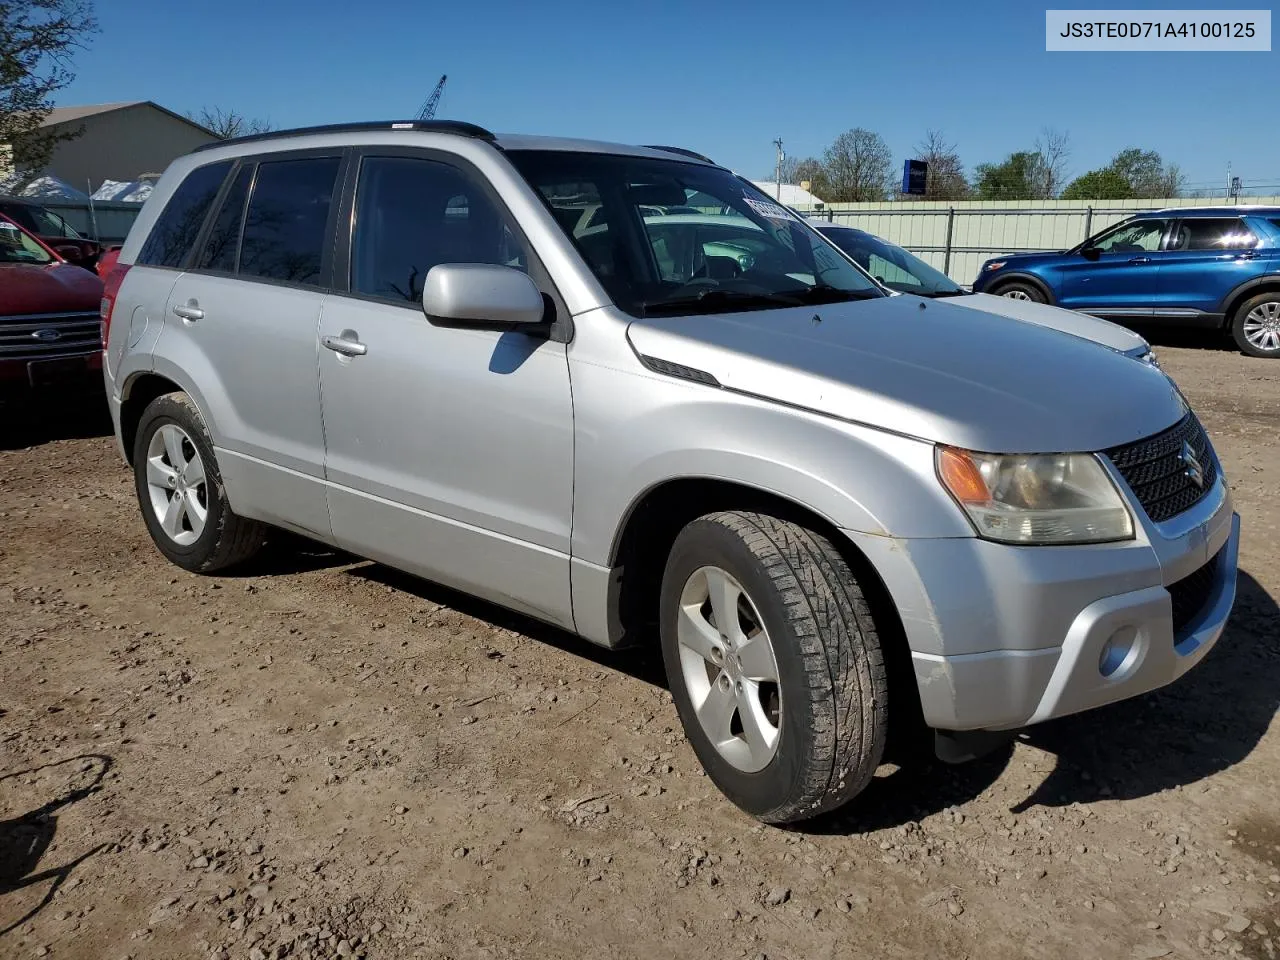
x=347, y=344
x=1140, y=260
x=1246, y=255
x=188, y=311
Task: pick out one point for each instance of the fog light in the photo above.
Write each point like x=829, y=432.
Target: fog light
x=1118, y=651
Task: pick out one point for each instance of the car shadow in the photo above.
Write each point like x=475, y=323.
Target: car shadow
x=1205, y=723
x=641, y=662
x=285, y=553
x=32, y=421
x=1195, y=338
x=24, y=839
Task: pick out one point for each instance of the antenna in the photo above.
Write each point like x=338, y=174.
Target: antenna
x=777, y=171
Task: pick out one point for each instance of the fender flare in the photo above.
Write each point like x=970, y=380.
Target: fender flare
x=1244, y=290
x=1028, y=278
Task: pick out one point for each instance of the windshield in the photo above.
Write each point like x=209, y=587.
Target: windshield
x=893, y=266
x=665, y=237
x=17, y=247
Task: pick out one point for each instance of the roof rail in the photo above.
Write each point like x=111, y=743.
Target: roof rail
x=682, y=151
x=458, y=127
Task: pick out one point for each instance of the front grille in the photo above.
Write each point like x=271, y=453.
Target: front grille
x=1159, y=474
x=46, y=336
x=1191, y=594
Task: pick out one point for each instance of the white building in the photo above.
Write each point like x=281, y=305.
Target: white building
x=791, y=194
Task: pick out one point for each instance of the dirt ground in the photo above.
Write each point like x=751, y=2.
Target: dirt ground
x=324, y=758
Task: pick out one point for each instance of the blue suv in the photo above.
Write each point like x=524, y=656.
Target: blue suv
x=1216, y=267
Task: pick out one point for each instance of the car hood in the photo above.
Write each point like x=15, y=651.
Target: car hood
x=1064, y=321
x=927, y=369
x=47, y=288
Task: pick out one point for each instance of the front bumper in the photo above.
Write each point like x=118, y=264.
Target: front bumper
x=1002, y=636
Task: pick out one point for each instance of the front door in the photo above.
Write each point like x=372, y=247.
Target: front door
x=449, y=451
x=1122, y=279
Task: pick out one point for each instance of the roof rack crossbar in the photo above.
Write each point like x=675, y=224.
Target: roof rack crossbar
x=682, y=151
x=457, y=127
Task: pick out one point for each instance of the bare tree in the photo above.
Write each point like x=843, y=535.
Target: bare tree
x=945, y=179
x=857, y=166
x=37, y=40
x=1053, y=150
x=228, y=124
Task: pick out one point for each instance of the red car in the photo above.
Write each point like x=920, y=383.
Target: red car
x=42, y=222
x=50, y=331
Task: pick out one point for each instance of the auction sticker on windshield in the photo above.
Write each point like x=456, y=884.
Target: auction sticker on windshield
x=773, y=211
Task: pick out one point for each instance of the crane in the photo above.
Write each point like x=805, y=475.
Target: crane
x=429, y=107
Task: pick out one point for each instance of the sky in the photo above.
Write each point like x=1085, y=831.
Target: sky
x=725, y=79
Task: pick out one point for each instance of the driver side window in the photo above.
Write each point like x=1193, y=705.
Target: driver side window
x=1141, y=236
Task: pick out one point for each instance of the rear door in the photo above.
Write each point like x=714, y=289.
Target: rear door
x=241, y=326
x=1123, y=279
x=1207, y=258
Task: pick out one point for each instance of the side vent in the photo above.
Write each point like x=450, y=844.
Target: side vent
x=681, y=372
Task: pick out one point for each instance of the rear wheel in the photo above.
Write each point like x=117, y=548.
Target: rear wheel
x=180, y=490
x=1021, y=291
x=1256, y=325
x=774, y=663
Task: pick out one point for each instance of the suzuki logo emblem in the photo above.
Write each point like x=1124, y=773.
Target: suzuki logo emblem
x=1194, y=472
x=46, y=335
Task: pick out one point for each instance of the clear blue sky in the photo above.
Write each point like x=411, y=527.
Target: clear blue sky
x=721, y=78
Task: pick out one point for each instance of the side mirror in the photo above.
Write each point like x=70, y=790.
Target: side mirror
x=1091, y=253
x=481, y=295
x=69, y=252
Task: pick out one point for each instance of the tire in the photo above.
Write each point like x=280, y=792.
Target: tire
x=1258, y=318
x=830, y=698
x=1021, y=291
x=206, y=535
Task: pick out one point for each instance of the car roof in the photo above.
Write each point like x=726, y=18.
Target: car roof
x=507, y=141
x=1242, y=209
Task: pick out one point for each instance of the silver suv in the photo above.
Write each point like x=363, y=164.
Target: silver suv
x=624, y=392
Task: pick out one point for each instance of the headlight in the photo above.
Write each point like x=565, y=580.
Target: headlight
x=994, y=265
x=1036, y=498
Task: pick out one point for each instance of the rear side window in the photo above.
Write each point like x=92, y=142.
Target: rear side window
x=1211, y=233
x=223, y=245
x=284, y=226
x=180, y=221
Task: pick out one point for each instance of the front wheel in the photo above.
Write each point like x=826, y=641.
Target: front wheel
x=1256, y=325
x=1021, y=291
x=774, y=663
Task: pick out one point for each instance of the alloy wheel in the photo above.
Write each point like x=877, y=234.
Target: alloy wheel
x=176, y=484
x=1262, y=326
x=729, y=669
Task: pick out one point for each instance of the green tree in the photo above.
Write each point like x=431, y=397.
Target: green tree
x=37, y=40
x=1017, y=177
x=1103, y=184
x=857, y=166
x=1132, y=174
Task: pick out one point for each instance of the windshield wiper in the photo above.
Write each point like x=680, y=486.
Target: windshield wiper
x=713, y=301
x=825, y=293
x=957, y=292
